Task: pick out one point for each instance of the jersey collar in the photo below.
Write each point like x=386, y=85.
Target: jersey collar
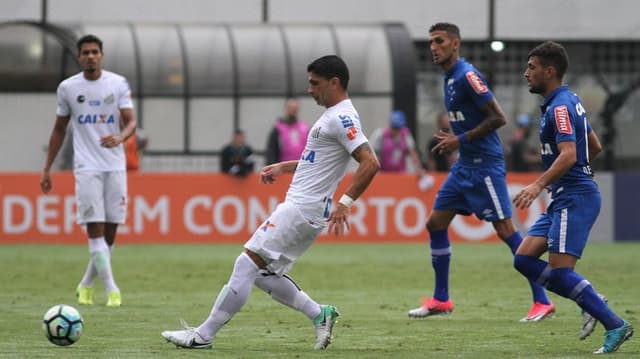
x=553, y=94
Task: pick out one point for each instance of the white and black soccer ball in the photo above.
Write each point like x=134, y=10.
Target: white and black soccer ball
x=62, y=325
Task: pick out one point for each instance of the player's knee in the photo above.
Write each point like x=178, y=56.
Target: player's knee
x=522, y=264
x=433, y=226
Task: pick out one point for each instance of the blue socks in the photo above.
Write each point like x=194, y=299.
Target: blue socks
x=569, y=284
x=539, y=295
x=440, y=258
x=572, y=285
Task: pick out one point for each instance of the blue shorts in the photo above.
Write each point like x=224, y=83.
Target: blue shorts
x=481, y=191
x=567, y=222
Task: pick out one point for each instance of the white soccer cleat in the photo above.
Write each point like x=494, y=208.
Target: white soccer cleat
x=186, y=338
x=324, y=326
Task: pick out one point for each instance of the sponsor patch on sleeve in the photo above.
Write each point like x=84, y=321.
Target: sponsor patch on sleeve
x=476, y=82
x=563, y=123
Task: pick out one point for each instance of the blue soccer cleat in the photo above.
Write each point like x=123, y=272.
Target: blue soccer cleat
x=614, y=338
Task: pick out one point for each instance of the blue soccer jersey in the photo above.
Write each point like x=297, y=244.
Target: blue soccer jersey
x=476, y=182
x=564, y=119
x=465, y=92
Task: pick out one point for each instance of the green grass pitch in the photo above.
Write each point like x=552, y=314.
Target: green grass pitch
x=373, y=285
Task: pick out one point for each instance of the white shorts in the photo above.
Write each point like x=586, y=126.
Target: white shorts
x=283, y=237
x=101, y=196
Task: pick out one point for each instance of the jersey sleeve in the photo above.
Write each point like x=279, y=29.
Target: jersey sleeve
x=124, y=95
x=477, y=88
x=347, y=130
x=563, y=123
x=62, y=108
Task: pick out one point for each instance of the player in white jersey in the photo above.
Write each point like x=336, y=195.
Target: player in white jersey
x=98, y=104
x=307, y=210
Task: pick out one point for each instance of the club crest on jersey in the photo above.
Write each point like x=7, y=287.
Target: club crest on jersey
x=476, y=82
x=109, y=99
x=563, y=123
x=80, y=98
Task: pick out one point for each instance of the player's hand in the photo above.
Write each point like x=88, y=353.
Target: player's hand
x=448, y=142
x=110, y=141
x=339, y=220
x=45, y=182
x=527, y=195
x=269, y=173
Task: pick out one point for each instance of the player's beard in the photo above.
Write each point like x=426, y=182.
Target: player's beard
x=535, y=89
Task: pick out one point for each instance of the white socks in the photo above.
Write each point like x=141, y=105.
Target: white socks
x=236, y=292
x=90, y=274
x=100, y=263
x=231, y=298
x=286, y=291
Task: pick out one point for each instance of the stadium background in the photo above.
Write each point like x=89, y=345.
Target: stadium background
x=188, y=105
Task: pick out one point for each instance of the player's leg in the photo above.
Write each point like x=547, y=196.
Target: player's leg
x=542, y=306
x=284, y=290
x=440, y=303
x=230, y=300
x=115, y=203
x=280, y=246
x=490, y=201
x=88, y=188
x=232, y=297
x=564, y=281
x=101, y=257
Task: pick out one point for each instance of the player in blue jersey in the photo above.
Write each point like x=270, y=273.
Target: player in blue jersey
x=476, y=182
x=567, y=143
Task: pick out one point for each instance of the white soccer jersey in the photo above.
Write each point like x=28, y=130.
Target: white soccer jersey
x=94, y=111
x=324, y=161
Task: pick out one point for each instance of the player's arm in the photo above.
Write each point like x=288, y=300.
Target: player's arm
x=494, y=118
x=368, y=166
x=128, y=124
x=565, y=160
x=55, y=142
x=594, y=145
x=269, y=173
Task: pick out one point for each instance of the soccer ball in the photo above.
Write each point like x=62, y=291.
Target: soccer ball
x=62, y=325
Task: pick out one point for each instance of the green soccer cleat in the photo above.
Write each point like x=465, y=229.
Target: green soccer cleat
x=324, y=323
x=614, y=338
x=115, y=299
x=85, y=295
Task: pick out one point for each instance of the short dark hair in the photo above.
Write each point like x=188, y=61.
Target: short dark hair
x=451, y=29
x=330, y=66
x=551, y=53
x=88, y=39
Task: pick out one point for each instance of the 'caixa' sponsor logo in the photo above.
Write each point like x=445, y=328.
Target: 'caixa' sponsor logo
x=97, y=119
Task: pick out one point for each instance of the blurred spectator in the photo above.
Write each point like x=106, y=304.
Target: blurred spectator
x=394, y=143
x=236, y=158
x=134, y=146
x=288, y=137
x=440, y=162
x=522, y=156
